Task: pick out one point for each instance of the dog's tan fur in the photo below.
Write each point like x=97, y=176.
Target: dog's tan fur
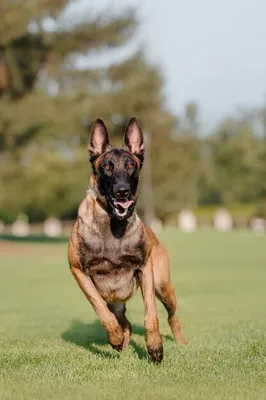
x=110, y=260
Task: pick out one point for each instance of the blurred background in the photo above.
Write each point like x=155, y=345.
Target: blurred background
x=192, y=72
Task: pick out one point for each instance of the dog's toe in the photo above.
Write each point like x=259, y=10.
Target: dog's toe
x=156, y=354
x=117, y=341
x=117, y=347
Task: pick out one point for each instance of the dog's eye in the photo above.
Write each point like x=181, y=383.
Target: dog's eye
x=130, y=166
x=107, y=167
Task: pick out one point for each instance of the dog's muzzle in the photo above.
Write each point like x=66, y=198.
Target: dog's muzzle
x=122, y=207
x=121, y=201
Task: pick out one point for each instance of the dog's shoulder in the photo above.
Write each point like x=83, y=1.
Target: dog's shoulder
x=151, y=239
x=73, y=247
x=76, y=240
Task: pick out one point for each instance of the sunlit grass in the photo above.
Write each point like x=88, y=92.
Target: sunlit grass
x=53, y=347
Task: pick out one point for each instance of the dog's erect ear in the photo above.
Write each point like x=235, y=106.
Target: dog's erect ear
x=133, y=139
x=99, y=140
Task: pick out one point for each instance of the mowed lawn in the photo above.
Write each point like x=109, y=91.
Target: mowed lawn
x=52, y=345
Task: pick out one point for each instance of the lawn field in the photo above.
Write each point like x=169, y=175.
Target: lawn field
x=52, y=345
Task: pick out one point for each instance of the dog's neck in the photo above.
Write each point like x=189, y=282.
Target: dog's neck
x=118, y=228
x=94, y=207
x=100, y=199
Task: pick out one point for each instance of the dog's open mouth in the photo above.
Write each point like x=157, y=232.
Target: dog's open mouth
x=122, y=206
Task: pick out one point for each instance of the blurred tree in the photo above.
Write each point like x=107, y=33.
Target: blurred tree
x=191, y=115
x=48, y=101
x=260, y=165
x=234, y=149
x=175, y=176
x=51, y=91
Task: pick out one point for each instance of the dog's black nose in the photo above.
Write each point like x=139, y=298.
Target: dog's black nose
x=121, y=193
x=121, y=190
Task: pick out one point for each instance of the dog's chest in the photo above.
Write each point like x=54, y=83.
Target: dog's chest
x=117, y=252
x=113, y=263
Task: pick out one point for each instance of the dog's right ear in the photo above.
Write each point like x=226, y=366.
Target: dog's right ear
x=99, y=140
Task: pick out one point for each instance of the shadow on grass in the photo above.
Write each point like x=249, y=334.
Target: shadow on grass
x=92, y=336
x=89, y=336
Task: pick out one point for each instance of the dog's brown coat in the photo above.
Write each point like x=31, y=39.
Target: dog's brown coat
x=110, y=259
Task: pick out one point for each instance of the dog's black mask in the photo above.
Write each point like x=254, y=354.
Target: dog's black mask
x=117, y=170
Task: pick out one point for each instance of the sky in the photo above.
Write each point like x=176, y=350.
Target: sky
x=210, y=51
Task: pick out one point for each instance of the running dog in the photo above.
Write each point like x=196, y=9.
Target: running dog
x=112, y=252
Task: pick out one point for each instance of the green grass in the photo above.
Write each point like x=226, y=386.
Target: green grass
x=53, y=347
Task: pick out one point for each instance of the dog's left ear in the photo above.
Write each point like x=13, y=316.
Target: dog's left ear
x=133, y=139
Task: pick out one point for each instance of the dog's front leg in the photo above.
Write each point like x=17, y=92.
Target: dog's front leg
x=152, y=334
x=107, y=318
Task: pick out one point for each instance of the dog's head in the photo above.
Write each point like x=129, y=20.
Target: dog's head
x=116, y=171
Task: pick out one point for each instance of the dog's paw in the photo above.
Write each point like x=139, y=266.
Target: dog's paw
x=117, y=347
x=116, y=339
x=156, y=354
x=154, y=345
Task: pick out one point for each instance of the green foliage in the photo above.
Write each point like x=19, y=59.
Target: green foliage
x=175, y=174
x=48, y=102
x=245, y=210
x=49, y=99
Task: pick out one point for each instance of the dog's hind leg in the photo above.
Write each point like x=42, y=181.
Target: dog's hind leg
x=119, y=310
x=164, y=290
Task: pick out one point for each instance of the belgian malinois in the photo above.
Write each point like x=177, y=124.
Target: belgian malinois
x=112, y=252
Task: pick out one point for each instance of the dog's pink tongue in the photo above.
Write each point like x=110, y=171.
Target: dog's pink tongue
x=124, y=204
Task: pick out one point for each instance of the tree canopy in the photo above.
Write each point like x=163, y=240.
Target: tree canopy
x=52, y=87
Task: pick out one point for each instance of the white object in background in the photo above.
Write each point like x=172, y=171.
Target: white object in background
x=156, y=225
x=21, y=226
x=223, y=220
x=258, y=225
x=187, y=221
x=52, y=227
